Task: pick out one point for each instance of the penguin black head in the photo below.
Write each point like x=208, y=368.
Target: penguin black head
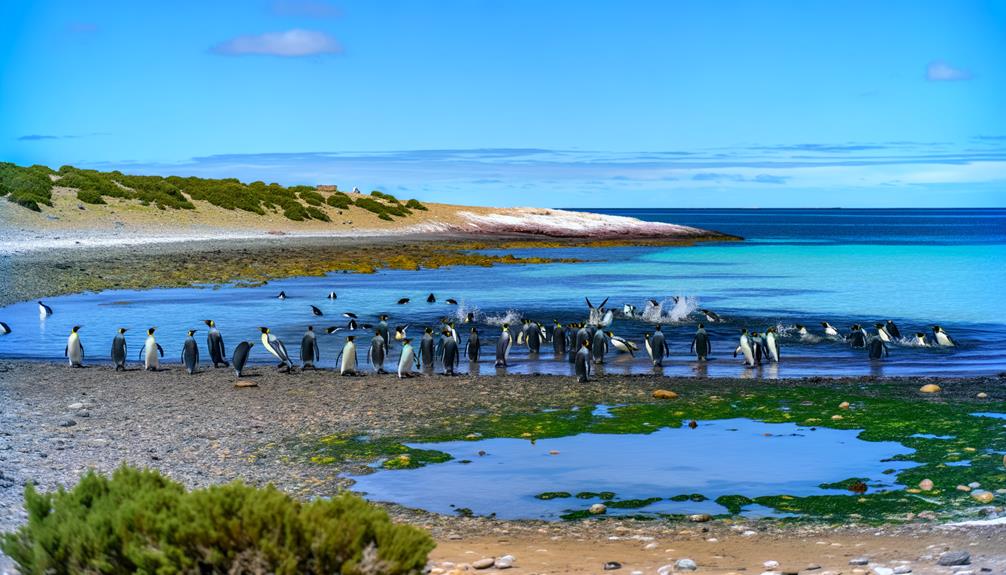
x=798, y=326
x=824, y=324
x=311, y=328
x=445, y=332
x=744, y=330
x=754, y=334
x=475, y=330
x=383, y=317
x=878, y=325
x=377, y=332
x=122, y=330
x=770, y=330
x=920, y=334
x=151, y=331
x=937, y=328
x=429, y=330
x=657, y=327
x=75, y=328
x=350, y=337
x=264, y=329
x=192, y=332
x=406, y=341
x=646, y=335
x=701, y=326
x=209, y=322
x=506, y=325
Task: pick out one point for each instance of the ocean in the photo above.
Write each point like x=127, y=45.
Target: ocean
x=918, y=268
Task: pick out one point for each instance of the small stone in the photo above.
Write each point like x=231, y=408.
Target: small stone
x=484, y=563
x=963, y=488
x=930, y=388
x=665, y=570
x=812, y=567
x=612, y=565
x=664, y=394
x=245, y=383
x=974, y=485
x=770, y=565
x=76, y=406
x=685, y=565
x=649, y=546
x=983, y=496
x=926, y=485
x=635, y=573
x=598, y=508
x=859, y=561
x=902, y=570
x=700, y=518
x=67, y=423
x=843, y=405
x=831, y=573
x=883, y=571
x=504, y=562
x=982, y=395
x=836, y=417
x=749, y=533
x=83, y=413
x=950, y=558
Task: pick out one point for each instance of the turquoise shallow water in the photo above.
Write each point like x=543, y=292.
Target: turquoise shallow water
x=916, y=267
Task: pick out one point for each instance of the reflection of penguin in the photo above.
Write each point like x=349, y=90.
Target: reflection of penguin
x=449, y=356
x=240, y=356
x=406, y=360
x=876, y=347
x=376, y=354
x=658, y=347
x=316, y=311
x=701, y=346
x=309, y=351
x=74, y=350
x=893, y=329
x=771, y=349
x=190, y=353
x=44, y=311
x=599, y=346
x=559, y=339
x=347, y=357
x=119, y=353
x=150, y=351
x=215, y=343
x=744, y=346
x=426, y=351
x=4, y=328
x=473, y=348
x=503, y=345
x=273, y=345
x=581, y=363
x=942, y=338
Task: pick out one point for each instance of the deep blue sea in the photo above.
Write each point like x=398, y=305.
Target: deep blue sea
x=915, y=267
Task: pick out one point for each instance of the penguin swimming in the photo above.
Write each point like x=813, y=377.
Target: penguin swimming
x=276, y=347
x=942, y=338
x=858, y=336
x=349, y=314
x=473, y=348
x=622, y=345
x=882, y=332
x=309, y=350
x=452, y=301
x=920, y=339
x=745, y=347
x=375, y=355
x=449, y=356
x=4, y=328
x=800, y=330
x=598, y=315
x=877, y=347
x=559, y=339
x=347, y=357
x=503, y=345
x=711, y=316
x=701, y=346
x=282, y=295
x=893, y=330
x=629, y=310
x=119, y=353
x=581, y=363
x=771, y=350
x=150, y=351
x=44, y=311
x=215, y=343
x=190, y=353
x=470, y=318
x=240, y=356
x=74, y=350
x=331, y=295
x=403, y=301
x=316, y=311
x=431, y=298
x=658, y=347
x=427, y=354
x=331, y=330
x=599, y=346
x=829, y=330
x=407, y=359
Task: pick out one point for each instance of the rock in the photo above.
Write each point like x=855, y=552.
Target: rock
x=484, y=563
x=883, y=571
x=612, y=565
x=926, y=485
x=598, y=508
x=749, y=533
x=982, y=395
x=930, y=388
x=950, y=558
x=67, y=423
x=700, y=518
x=76, y=406
x=504, y=562
x=983, y=496
x=245, y=383
x=665, y=570
x=664, y=394
x=83, y=413
x=974, y=485
x=843, y=405
x=812, y=567
x=963, y=488
x=902, y=570
x=859, y=561
x=650, y=546
x=836, y=417
x=685, y=564
x=771, y=565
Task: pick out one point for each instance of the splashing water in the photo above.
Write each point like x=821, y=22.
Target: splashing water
x=511, y=317
x=464, y=308
x=671, y=310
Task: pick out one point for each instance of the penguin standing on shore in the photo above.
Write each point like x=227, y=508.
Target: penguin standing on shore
x=275, y=346
x=427, y=349
x=449, y=356
x=503, y=345
x=744, y=346
x=190, y=353
x=771, y=350
x=658, y=347
x=119, y=353
x=473, y=348
x=582, y=335
x=407, y=360
x=309, y=350
x=240, y=356
x=581, y=363
x=74, y=350
x=701, y=346
x=215, y=343
x=559, y=339
x=376, y=353
x=599, y=346
x=572, y=335
x=151, y=351
x=757, y=347
x=347, y=357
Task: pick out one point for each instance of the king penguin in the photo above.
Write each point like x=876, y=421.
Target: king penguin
x=427, y=354
x=942, y=338
x=599, y=346
x=658, y=347
x=119, y=353
x=473, y=349
x=744, y=346
x=347, y=357
x=406, y=360
x=151, y=350
x=215, y=343
x=4, y=328
x=74, y=350
x=276, y=347
x=503, y=345
x=449, y=356
x=771, y=350
x=190, y=353
x=877, y=347
x=309, y=351
x=44, y=311
x=581, y=363
x=701, y=346
x=559, y=339
x=376, y=353
x=240, y=356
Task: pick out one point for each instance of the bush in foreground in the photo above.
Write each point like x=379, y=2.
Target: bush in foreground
x=139, y=521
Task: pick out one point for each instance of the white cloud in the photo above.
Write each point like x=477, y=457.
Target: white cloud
x=291, y=43
x=938, y=71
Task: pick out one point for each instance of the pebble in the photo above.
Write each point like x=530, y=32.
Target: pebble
x=812, y=567
x=649, y=546
x=930, y=388
x=749, y=533
x=902, y=570
x=685, y=565
x=963, y=488
x=75, y=406
x=843, y=405
x=700, y=518
x=612, y=565
x=926, y=485
x=665, y=570
x=770, y=565
x=245, y=383
x=664, y=394
x=484, y=563
x=982, y=395
x=598, y=508
x=67, y=423
x=950, y=558
x=974, y=485
x=504, y=562
x=883, y=571
x=983, y=496
x=859, y=561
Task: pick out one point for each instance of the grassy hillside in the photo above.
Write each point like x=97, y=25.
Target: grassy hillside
x=31, y=188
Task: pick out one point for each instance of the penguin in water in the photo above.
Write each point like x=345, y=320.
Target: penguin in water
x=771, y=350
x=382, y=328
x=658, y=347
x=281, y=295
x=403, y=301
x=449, y=356
x=407, y=360
x=711, y=316
x=273, y=345
x=858, y=337
x=522, y=332
x=829, y=330
x=893, y=330
x=582, y=334
x=920, y=339
x=473, y=349
x=119, y=353
x=74, y=350
x=532, y=338
x=347, y=357
x=581, y=363
x=317, y=312
x=44, y=311
x=801, y=330
x=215, y=343
x=427, y=353
x=622, y=345
x=701, y=346
x=470, y=317
x=877, y=346
x=400, y=332
x=376, y=353
x=599, y=346
x=882, y=332
x=431, y=298
x=4, y=328
x=349, y=315
x=332, y=295
x=942, y=338
x=559, y=339
x=744, y=346
x=190, y=353
x=451, y=301
x=309, y=350
x=629, y=310
x=503, y=345
x=150, y=351
x=240, y=356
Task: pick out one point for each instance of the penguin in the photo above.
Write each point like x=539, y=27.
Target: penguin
x=893, y=330
x=375, y=355
x=215, y=343
x=276, y=347
x=451, y=301
x=150, y=351
x=877, y=347
x=282, y=295
x=407, y=359
x=829, y=330
x=757, y=347
x=711, y=316
x=473, y=348
x=701, y=346
x=431, y=298
x=522, y=332
x=190, y=353
x=44, y=311
x=403, y=301
x=772, y=350
x=309, y=350
x=4, y=328
x=454, y=332
x=347, y=357
x=599, y=346
x=317, y=312
x=400, y=332
x=559, y=339
x=745, y=347
x=119, y=353
x=942, y=338
x=533, y=338
x=622, y=345
x=920, y=339
x=449, y=356
x=598, y=315
x=503, y=345
x=882, y=332
x=629, y=310
x=858, y=337
x=582, y=335
x=800, y=330
x=658, y=347
x=382, y=328
x=470, y=317
x=581, y=363
x=332, y=295
x=74, y=350
x=349, y=315
x=333, y=329
x=240, y=356
x=427, y=353
x=351, y=325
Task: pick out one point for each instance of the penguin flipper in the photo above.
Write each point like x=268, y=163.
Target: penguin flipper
x=317, y=352
x=736, y=351
x=160, y=350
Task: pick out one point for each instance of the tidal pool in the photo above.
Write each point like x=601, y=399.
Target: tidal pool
x=670, y=471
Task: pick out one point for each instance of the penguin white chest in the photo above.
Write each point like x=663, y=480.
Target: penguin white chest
x=150, y=360
x=348, y=358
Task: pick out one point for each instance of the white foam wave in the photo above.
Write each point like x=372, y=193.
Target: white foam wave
x=463, y=309
x=670, y=310
x=511, y=316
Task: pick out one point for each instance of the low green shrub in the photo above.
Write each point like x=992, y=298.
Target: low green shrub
x=414, y=204
x=339, y=200
x=317, y=214
x=311, y=197
x=26, y=186
x=90, y=197
x=385, y=197
x=139, y=521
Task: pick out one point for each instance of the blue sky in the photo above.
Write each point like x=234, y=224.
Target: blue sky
x=594, y=104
